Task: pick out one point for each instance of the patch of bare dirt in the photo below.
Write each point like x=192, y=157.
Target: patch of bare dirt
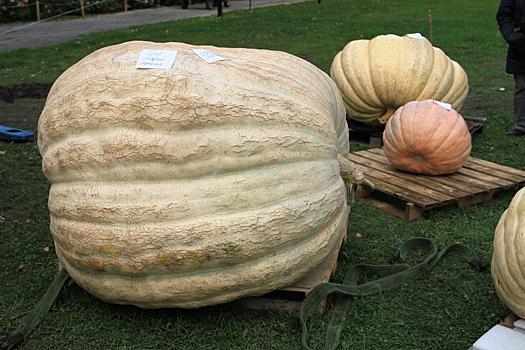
x=21, y=105
x=26, y=90
x=22, y=114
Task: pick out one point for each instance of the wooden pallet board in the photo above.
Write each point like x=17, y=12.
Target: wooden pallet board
x=476, y=182
x=364, y=138
x=476, y=126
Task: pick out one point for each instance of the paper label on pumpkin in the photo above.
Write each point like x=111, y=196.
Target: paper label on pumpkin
x=162, y=59
x=415, y=36
x=208, y=56
x=447, y=106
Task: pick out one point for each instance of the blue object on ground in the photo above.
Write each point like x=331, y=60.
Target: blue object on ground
x=13, y=134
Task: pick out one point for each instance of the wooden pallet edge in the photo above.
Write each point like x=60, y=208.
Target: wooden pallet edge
x=364, y=138
x=370, y=167
x=476, y=125
x=394, y=186
x=478, y=119
x=261, y=303
x=515, y=176
x=411, y=212
x=500, y=167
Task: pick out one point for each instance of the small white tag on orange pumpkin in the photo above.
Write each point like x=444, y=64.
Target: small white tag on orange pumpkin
x=162, y=59
x=447, y=106
x=208, y=56
x=415, y=36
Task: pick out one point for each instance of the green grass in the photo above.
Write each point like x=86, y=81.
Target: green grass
x=449, y=308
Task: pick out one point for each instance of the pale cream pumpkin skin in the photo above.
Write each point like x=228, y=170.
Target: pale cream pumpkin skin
x=508, y=260
x=195, y=185
x=378, y=76
x=423, y=137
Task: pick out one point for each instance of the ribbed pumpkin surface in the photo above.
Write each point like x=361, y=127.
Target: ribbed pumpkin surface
x=380, y=75
x=194, y=185
x=423, y=137
x=508, y=260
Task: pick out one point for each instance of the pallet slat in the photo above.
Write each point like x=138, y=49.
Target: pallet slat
x=400, y=187
x=371, y=160
x=473, y=173
x=476, y=182
x=478, y=179
x=489, y=165
x=503, y=176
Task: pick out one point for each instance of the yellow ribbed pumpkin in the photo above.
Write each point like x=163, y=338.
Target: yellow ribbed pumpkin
x=508, y=260
x=194, y=185
x=378, y=76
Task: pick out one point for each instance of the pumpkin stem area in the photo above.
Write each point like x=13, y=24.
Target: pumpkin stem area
x=418, y=158
x=384, y=118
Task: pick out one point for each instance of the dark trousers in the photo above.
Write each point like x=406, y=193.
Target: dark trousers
x=519, y=102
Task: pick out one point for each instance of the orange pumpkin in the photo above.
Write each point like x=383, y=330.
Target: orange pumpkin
x=427, y=137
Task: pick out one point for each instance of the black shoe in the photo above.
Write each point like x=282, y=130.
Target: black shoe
x=516, y=133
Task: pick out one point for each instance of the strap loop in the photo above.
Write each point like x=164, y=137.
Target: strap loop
x=391, y=275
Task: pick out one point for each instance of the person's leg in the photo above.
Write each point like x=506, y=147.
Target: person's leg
x=519, y=104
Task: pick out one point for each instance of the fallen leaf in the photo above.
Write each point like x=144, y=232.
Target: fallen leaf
x=2, y=152
x=358, y=235
x=46, y=249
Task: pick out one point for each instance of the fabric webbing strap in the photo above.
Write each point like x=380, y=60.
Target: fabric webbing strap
x=390, y=276
x=36, y=316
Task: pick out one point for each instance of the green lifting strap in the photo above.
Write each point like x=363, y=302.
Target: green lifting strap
x=36, y=316
x=391, y=275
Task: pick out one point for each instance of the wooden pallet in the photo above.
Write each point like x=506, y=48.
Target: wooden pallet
x=476, y=126
x=476, y=182
x=289, y=299
x=363, y=138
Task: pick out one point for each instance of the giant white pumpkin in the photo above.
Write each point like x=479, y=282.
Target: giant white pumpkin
x=193, y=185
x=508, y=260
x=378, y=76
